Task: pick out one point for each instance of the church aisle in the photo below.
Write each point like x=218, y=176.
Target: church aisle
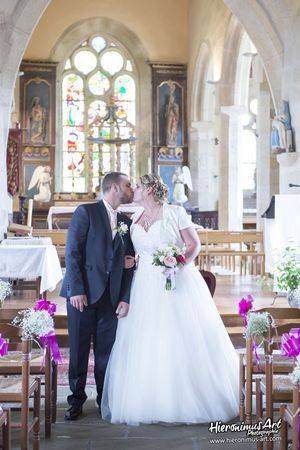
x=92, y=433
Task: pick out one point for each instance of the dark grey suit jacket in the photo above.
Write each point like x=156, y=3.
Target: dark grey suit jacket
x=93, y=259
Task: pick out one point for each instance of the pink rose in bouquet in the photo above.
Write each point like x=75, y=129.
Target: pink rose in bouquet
x=170, y=261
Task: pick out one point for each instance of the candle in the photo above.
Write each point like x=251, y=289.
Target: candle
x=29, y=213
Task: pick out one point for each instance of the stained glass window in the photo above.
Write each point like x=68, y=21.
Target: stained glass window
x=98, y=113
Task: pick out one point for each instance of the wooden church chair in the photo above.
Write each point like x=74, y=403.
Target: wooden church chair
x=27, y=389
x=48, y=373
x=5, y=426
x=210, y=280
x=277, y=388
x=248, y=367
x=290, y=415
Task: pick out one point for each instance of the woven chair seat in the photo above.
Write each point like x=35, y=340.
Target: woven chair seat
x=281, y=384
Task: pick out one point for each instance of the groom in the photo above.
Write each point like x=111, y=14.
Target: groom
x=96, y=284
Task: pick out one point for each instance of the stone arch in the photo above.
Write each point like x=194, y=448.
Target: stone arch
x=202, y=153
x=204, y=56
x=79, y=31
x=265, y=36
x=19, y=24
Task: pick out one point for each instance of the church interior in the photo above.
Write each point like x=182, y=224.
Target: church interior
x=204, y=93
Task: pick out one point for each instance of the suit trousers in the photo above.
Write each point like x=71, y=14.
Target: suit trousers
x=96, y=323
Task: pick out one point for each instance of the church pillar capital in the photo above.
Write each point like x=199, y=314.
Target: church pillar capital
x=234, y=110
x=202, y=130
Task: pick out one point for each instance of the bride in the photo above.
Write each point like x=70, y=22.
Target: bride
x=172, y=360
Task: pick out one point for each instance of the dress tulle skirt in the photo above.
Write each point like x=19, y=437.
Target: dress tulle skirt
x=172, y=360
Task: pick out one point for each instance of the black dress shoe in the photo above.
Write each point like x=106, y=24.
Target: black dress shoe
x=72, y=413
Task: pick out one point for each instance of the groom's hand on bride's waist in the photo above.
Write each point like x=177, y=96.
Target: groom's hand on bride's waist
x=79, y=302
x=122, y=310
x=129, y=262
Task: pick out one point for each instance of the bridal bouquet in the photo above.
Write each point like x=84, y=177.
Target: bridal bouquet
x=38, y=323
x=170, y=257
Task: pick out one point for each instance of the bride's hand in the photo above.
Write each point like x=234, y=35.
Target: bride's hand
x=129, y=262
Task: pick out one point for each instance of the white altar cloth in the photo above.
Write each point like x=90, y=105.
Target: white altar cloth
x=31, y=262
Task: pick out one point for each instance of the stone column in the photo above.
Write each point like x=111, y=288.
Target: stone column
x=231, y=195
x=203, y=163
x=263, y=154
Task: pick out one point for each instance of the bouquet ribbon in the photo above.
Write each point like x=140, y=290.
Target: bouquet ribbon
x=170, y=278
x=3, y=347
x=50, y=340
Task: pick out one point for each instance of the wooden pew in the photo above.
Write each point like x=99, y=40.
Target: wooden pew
x=27, y=388
x=230, y=247
x=59, y=239
x=5, y=426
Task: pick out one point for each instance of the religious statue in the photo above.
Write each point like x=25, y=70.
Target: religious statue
x=172, y=119
x=37, y=122
x=41, y=179
x=181, y=177
x=281, y=136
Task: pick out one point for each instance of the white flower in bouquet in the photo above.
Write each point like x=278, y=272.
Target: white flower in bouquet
x=34, y=323
x=295, y=375
x=5, y=290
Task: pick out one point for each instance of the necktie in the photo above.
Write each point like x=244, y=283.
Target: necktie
x=113, y=221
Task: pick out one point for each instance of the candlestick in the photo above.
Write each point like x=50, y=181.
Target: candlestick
x=29, y=212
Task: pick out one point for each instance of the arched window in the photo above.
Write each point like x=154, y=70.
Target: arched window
x=98, y=113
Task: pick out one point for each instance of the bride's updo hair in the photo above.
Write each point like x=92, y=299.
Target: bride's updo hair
x=159, y=189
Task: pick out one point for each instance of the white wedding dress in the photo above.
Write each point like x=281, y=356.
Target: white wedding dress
x=172, y=360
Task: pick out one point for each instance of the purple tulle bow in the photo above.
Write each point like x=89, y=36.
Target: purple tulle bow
x=290, y=343
x=245, y=305
x=3, y=347
x=50, y=340
x=43, y=304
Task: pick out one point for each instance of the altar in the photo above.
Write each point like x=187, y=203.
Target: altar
x=31, y=261
x=282, y=230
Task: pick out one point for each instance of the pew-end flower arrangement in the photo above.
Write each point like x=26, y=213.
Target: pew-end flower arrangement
x=37, y=324
x=5, y=290
x=256, y=323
